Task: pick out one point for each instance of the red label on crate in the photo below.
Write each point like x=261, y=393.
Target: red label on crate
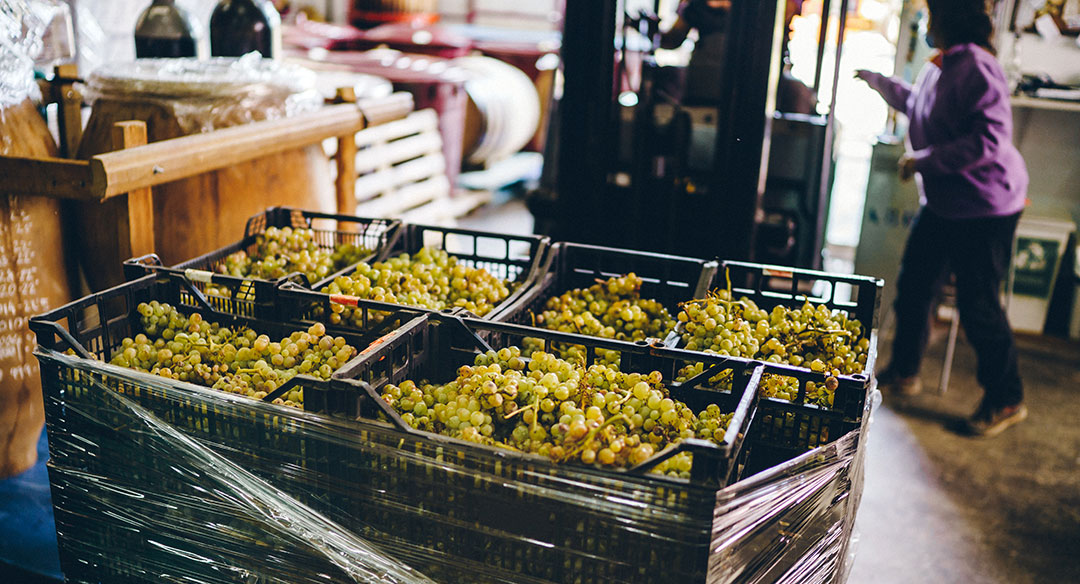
x=344, y=299
x=375, y=344
x=777, y=273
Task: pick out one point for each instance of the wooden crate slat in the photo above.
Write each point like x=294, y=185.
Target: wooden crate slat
x=379, y=156
x=406, y=197
x=371, y=185
x=415, y=123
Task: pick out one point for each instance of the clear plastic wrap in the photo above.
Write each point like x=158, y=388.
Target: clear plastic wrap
x=205, y=95
x=189, y=515
x=160, y=481
x=24, y=25
x=794, y=522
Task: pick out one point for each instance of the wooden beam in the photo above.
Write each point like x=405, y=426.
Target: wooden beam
x=379, y=110
x=345, y=160
x=50, y=177
x=116, y=173
x=122, y=171
x=137, y=226
x=69, y=101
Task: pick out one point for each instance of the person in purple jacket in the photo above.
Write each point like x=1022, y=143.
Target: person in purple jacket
x=972, y=185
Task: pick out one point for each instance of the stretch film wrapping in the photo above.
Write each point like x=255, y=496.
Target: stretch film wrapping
x=136, y=497
x=205, y=95
x=154, y=480
x=31, y=32
x=793, y=523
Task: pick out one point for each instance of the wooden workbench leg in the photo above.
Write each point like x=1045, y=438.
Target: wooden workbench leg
x=345, y=159
x=136, y=227
x=69, y=101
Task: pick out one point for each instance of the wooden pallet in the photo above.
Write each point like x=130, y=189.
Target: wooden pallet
x=399, y=166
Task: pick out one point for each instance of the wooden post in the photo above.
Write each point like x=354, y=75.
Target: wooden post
x=69, y=100
x=136, y=228
x=345, y=184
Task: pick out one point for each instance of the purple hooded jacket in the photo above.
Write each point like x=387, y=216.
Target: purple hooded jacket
x=960, y=134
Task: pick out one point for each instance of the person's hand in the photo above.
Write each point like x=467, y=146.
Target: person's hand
x=645, y=22
x=906, y=167
x=864, y=74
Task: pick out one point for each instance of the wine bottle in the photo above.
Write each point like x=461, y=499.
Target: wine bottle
x=166, y=30
x=238, y=27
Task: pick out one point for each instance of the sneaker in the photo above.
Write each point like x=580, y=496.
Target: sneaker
x=889, y=382
x=989, y=422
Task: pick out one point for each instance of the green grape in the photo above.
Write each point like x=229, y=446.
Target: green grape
x=237, y=361
x=430, y=278
x=612, y=309
x=550, y=406
x=281, y=251
x=813, y=336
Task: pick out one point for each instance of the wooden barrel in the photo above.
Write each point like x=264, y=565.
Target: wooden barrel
x=503, y=111
x=33, y=280
x=200, y=214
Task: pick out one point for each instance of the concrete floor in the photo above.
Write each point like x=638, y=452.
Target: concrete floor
x=939, y=507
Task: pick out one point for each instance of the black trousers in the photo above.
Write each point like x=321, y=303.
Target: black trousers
x=978, y=252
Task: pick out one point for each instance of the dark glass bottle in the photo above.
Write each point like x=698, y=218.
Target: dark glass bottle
x=165, y=30
x=238, y=27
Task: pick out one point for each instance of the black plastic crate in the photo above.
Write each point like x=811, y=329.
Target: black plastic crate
x=374, y=234
x=115, y=478
x=770, y=286
x=127, y=500
x=517, y=259
x=433, y=348
x=95, y=326
x=666, y=278
x=782, y=430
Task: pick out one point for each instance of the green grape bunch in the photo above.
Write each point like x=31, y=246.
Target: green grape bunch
x=279, y=252
x=430, y=278
x=560, y=409
x=236, y=360
x=612, y=309
x=823, y=340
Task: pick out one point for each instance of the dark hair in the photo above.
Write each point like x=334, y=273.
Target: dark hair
x=961, y=21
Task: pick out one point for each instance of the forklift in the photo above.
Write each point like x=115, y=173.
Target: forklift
x=692, y=160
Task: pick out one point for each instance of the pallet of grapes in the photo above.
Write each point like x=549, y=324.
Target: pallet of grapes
x=571, y=469
x=611, y=293
x=627, y=482
x=277, y=243
x=816, y=332
x=436, y=268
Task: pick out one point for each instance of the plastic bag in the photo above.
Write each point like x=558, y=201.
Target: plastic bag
x=204, y=95
x=24, y=27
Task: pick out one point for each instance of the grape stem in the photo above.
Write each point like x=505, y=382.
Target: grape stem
x=827, y=332
x=531, y=406
x=592, y=433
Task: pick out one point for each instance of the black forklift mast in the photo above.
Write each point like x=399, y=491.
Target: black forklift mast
x=584, y=147
x=622, y=175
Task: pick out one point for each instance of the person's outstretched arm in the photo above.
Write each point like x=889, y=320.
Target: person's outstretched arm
x=894, y=90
